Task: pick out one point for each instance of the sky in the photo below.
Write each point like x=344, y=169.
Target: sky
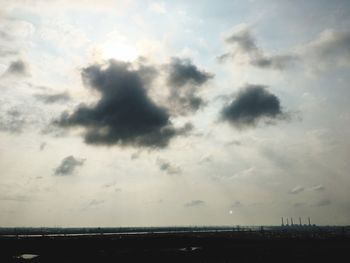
x=169, y=113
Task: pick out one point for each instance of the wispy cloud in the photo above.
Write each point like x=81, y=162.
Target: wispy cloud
x=297, y=190
x=53, y=98
x=194, y=203
x=68, y=165
x=243, y=45
x=167, y=167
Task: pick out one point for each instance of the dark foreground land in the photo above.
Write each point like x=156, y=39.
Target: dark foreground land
x=283, y=245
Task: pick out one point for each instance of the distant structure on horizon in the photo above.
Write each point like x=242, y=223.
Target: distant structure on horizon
x=295, y=225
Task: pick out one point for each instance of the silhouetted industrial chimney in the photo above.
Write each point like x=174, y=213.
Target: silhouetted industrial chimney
x=300, y=221
x=309, y=221
x=291, y=221
x=282, y=221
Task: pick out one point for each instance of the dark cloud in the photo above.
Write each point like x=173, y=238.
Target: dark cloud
x=68, y=165
x=251, y=104
x=182, y=72
x=124, y=114
x=53, y=98
x=242, y=42
x=17, y=68
x=168, y=167
x=195, y=203
x=184, y=78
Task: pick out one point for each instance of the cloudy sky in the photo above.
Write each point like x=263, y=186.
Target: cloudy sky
x=146, y=113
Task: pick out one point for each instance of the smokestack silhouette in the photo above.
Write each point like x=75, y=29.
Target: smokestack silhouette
x=291, y=221
x=309, y=221
x=282, y=221
x=300, y=221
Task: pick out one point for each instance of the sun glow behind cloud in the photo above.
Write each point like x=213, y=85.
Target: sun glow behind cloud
x=114, y=46
x=118, y=50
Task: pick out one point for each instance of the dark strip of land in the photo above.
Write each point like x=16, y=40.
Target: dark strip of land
x=286, y=245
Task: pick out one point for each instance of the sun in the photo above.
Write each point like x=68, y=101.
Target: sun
x=118, y=50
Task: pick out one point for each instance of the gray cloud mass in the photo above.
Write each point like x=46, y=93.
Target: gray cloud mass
x=251, y=104
x=183, y=79
x=125, y=114
x=182, y=72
